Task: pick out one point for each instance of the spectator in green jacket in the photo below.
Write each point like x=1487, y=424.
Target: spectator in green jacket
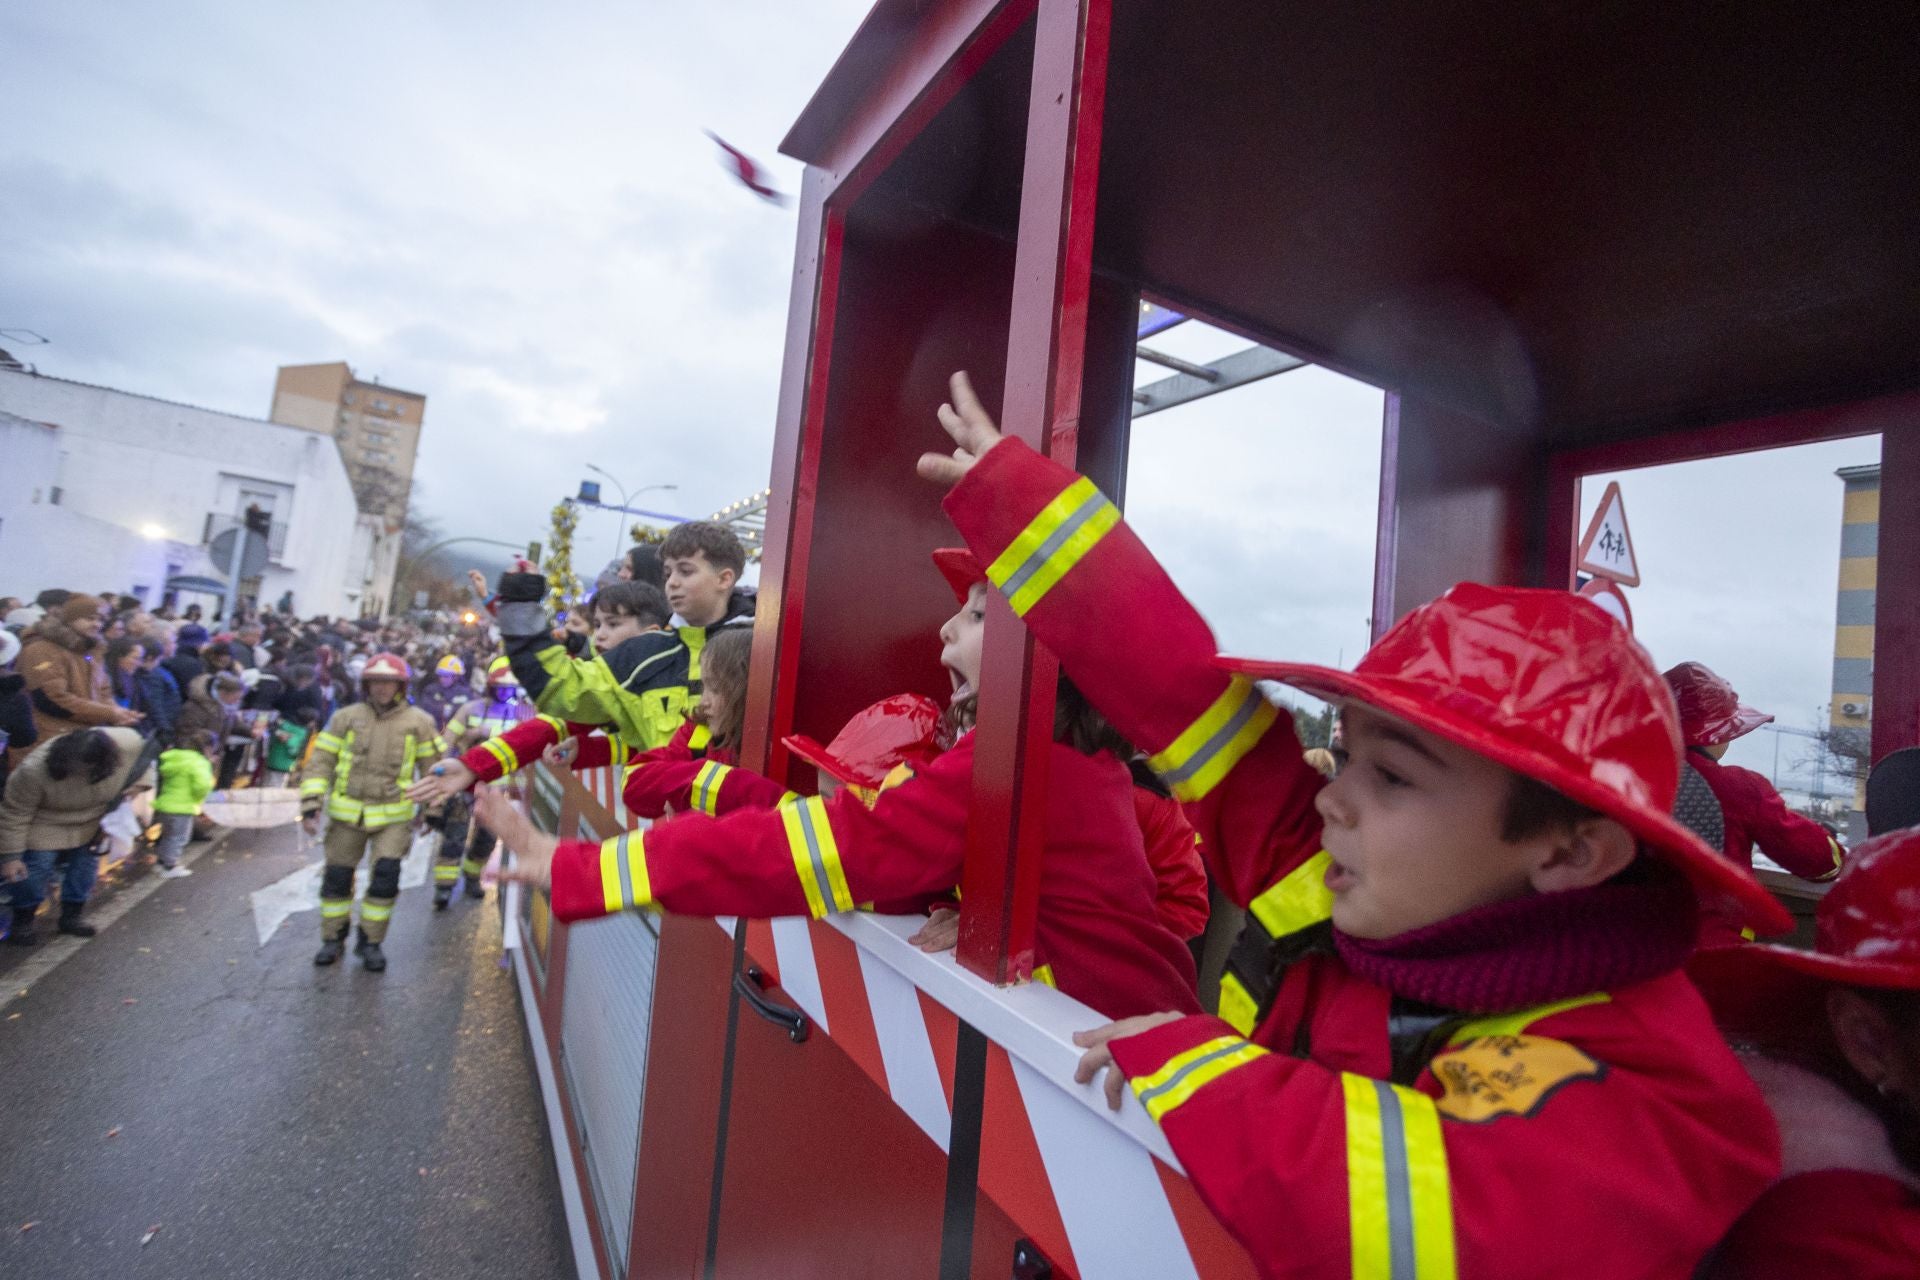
x=186, y=779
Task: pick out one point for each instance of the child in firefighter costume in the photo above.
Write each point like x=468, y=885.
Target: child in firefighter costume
x=360, y=768
x=1466, y=1046
x=464, y=850
x=1832, y=1035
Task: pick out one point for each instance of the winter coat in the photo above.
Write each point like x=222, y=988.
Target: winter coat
x=65, y=679
x=203, y=713
x=186, y=667
x=161, y=698
x=41, y=813
x=292, y=701
x=186, y=780
x=16, y=721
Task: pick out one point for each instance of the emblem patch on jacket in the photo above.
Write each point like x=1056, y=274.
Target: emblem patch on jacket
x=1495, y=1076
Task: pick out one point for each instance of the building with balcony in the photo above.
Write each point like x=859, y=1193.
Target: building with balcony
x=377, y=427
x=110, y=490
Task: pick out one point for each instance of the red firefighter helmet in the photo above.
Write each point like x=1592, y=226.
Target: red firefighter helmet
x=894, y=731
x=1710, y=711
x=386, y=666
x=500, y=672
x=1866, y=934
x=960, y=569
x=1552, y=687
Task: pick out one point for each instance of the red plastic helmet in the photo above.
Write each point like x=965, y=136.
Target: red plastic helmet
x=386, y=666
x=500, y=672
x=903, y=729
x=1552, y=687
x=960, y=569
x=1710, y=711
x=1866, y=934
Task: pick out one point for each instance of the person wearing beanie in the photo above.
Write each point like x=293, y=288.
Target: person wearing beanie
x=1464, y=1043
x=1752, y=812
x=65, y=672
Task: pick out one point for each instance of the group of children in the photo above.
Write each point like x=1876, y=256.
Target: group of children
x=1462, y=1038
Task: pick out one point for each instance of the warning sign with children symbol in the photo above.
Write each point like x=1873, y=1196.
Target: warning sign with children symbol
x=1607, y=550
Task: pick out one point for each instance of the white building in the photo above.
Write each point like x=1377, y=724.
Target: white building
x=103, y=489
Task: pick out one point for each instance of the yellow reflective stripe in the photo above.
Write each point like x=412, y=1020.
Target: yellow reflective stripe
x=406, y=763
x=1512, y=1024
x=1206, y=750
x=707, y=781
x=499, y=750
x=313, y=787
x=334, y=908
x=457, y=727
x=1839, y=857
x=1748, y=935
x=343, y=762
x=445, y=873
x=700, y=737
x=786, y=798
x=816, y=857
x=1399, y=1200
x=371, y=910
x=624, y=883
x=1238, y=1008
x=1042, y=975
x=324, y=741
x=1180, y=1076
x=472, y=867
x=559, y=725
x=1299, y=899
x=1052, y=543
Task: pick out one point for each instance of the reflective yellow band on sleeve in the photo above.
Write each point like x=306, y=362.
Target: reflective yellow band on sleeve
x=1184, y=1074
x=559, y=725
x=1512, y=1024
x=446, y=872
x=1839, y=858
x=816, y=857
x=707, y=781
x=1399, y=1199
x=499, y=750
x=790, y=797
x=1298, y=900
x=324, y=741
x=313, y=787
x=1238, y=1008
x=1206, y=751
x=624, y=884
x=1052, y=544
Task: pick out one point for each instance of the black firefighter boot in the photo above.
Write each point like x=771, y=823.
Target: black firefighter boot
x=22, y=934
x=330, y=950
x=442, y=895
x=70, y=920
x=370, y=954
x=474, y=888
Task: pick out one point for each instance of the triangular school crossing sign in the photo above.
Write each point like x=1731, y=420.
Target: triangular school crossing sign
x=1607, y=550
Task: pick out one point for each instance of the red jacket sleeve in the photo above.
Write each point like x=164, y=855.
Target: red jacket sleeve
x=1096, y=597
x=674, y=776
x=1180, y=881
x=810, y=857
x=518, y=747
x=1510, y=1155
x=1793, y=840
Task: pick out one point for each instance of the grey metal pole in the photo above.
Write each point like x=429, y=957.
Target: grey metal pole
x=234, y=561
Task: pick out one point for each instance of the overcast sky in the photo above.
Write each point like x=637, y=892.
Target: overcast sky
x=512, y=209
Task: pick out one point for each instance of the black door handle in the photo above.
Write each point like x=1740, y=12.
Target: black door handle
x=751, y=983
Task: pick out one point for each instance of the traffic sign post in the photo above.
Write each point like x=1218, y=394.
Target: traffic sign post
x=1607, y=549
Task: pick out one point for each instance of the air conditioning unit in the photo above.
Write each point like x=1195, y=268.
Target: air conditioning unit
x=1853, y=708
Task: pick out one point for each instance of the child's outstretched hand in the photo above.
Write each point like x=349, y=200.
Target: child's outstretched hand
x=1098, y=1057
x=941, y=932
x=533, y=849
x=972, y=429
x=560, y=755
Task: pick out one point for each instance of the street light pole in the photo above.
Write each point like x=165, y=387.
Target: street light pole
x=626, y=500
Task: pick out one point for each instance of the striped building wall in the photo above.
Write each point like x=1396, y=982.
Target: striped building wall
x=1852, y=706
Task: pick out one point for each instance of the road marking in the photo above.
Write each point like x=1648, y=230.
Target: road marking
x=299, y=890
x=50, y=955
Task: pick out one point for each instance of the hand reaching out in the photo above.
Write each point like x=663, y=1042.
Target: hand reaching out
x=533, y=849
x=972, y=429
x=478, y=581
x=445, y=781
x=560, y=755
x=1099, y=1057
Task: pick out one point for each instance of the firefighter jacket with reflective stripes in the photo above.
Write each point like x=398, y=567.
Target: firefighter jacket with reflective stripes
x=1335, y=1132
x=688, y=775
x=1756, y=817
x=1831, y=1222
x=1096, y=929
x=363, y=762
x=640, y=691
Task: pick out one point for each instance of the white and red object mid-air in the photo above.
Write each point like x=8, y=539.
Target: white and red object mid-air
x=744, y=167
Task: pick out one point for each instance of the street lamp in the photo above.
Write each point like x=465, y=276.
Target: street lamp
x=626, y=500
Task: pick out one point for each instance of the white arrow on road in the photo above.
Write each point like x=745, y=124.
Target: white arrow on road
x=300, y=890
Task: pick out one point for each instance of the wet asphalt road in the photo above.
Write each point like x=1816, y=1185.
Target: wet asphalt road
x=274, y=1119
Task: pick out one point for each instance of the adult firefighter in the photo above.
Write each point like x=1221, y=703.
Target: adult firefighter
x=1753, y=814
x=359, y=770
x=1833, y=1039
x=448, y=691
x=462, y=848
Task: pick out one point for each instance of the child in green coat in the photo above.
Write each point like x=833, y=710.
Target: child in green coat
x=186, y=779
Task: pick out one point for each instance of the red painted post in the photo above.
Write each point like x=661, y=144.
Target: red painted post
x=1896, y=608
x=1045, y=363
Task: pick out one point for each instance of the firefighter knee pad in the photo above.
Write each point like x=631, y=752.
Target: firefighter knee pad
x=336, y=882
x=385, y=882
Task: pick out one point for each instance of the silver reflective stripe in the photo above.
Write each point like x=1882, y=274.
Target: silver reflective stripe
x=626, y=871
x=1173, y=1081
x=1212, y=747
x=1393, y=1149
x=1044, y=552
x=827, y=901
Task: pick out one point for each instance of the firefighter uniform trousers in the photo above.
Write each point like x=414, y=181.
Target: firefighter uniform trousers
x=345, y=845
x=464, y=844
